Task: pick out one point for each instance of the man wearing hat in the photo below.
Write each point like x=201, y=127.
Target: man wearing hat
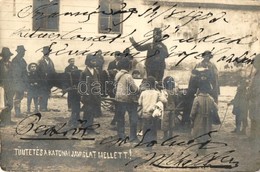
x=90, y=91
x=19, y=74
x=209, y=70
x=45, y=67
x=6, y=83
x=156, y=54
x=254, y=104
x=70, y=68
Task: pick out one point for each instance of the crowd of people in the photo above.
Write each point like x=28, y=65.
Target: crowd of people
x=149, y=106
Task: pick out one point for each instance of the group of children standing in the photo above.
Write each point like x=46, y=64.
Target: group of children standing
x=157, y=101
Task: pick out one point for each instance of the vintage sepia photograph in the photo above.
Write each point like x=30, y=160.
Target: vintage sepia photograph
x=130, y=85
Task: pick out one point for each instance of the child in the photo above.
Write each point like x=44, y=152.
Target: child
x=168, y=118
x=240, y=107
x=203, y=109
x=136, y=74
x=147, y=101
x=33, y=87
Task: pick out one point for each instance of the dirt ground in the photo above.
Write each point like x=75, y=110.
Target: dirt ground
x=19, y=154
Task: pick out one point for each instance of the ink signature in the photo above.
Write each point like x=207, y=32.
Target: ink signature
x=31, y=124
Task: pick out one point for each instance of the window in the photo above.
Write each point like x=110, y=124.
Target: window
x=45, y=16
x=109, y=23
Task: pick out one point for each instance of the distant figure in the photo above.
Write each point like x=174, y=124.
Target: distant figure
x=7, y=84
x=254, y=104
x=19, y=74
x=202, y=112
x=33, y=87
x=91, y=94
x=240, y=107
x=46, y=67
x=70, y=68
x=157, y=52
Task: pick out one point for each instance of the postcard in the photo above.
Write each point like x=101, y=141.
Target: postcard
x=129, y=85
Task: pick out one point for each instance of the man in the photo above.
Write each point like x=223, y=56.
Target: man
x=156, y=54
x=19, y=74
x=112, y=66
x=69, y=69
x=125, y=94
x=210, y=71
x=254, y=104
x=6, y=83
x=90, y=90
x=46, y=67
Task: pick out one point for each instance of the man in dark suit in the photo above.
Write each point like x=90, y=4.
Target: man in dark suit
x=157, y=52
x=6, y=83
x=19, y=74
x=70, y=68
x=46, y=67
x=90, y=91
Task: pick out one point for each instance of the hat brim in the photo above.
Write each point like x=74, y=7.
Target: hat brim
x=10, y=54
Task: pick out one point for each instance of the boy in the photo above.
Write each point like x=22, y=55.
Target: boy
x=202, y=112
x=240, y=108
x=147, y=101
x=33, y=87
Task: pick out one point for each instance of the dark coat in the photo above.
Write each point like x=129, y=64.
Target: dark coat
x=90, y=92
x=254, y=99
x=240, y=101
x=45, y=69
x=156, y=55
x=19, y=73
x=71, y=68
x=33, y=84
x=5, y=74
x=112, y=65
x=99, y=63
